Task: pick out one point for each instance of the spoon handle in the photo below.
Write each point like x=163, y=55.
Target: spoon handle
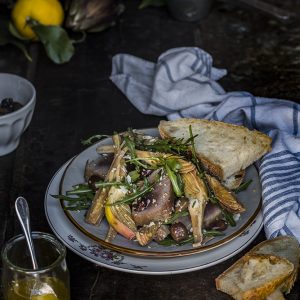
x=22, y=211
x=270, y=9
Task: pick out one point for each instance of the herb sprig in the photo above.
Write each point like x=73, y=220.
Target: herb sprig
x=176, y=216
x=172, y=145
x=147, y=187
x=172, y=167
x=93, y=139
x=81, y=196
x=168, y=241
x=243, y=186
x=84, y=188
x=79, y=203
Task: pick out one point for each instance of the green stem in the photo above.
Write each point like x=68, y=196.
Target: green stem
x=173, y=178
x=243, y=186
x=131, y=198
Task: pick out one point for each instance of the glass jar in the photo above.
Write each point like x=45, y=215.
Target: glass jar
x=49, y=282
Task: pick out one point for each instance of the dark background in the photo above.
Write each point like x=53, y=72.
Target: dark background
x=77, y=100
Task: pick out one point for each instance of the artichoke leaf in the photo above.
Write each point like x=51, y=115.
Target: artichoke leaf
x=120, y=212
x=96, y=211
x=152, y=159
x=111, y=234
x=195, y=191
x=225, y=197
x=145, y=234
x=92, y=15
x=119, y=216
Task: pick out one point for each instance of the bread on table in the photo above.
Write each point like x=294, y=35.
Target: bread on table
x=286, y=247
x=265, y=272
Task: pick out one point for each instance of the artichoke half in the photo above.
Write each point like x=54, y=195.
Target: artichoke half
x=92, y=15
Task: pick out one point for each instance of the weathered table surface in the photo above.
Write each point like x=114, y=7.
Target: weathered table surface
x=77, y=100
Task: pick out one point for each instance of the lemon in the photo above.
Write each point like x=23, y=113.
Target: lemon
x=46, y=12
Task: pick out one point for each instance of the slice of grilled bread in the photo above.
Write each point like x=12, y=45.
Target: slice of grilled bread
x=254, y=276
x=223, y=148
x=286, y=247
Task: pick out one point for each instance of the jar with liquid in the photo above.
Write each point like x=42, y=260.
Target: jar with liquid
x=49, y=282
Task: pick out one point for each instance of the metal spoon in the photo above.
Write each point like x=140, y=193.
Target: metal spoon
x=283, y=15
x=22, y=210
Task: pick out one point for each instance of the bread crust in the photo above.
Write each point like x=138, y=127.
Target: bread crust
x=191, y=121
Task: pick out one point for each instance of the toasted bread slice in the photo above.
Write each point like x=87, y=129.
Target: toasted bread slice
x=286, y=247
x=254, y=276
x=223, y=148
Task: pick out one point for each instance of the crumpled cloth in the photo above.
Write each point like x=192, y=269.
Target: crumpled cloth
x=183, y=83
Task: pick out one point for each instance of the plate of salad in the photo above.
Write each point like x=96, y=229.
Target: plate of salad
x=140, y=195
x=90, y=250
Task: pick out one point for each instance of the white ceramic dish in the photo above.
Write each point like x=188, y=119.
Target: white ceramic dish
x=92, y=251
x=74, y=174
x=12, y=125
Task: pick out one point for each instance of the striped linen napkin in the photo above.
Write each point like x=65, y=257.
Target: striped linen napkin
x=183, y=83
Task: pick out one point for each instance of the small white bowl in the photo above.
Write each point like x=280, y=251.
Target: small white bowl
x=13, y=124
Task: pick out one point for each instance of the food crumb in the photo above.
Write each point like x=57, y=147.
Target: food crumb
x=236, y=217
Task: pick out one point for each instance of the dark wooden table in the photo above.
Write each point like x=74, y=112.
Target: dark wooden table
x=77, y=100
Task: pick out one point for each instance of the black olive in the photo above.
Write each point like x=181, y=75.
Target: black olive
x=178, y=232
x=92, y=180
x=212, y=213
x=8, y=104
x=219, y=225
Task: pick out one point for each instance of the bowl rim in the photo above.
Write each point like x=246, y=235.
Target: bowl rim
x=28, y=104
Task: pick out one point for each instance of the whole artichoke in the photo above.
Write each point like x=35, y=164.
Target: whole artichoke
x=92, y=15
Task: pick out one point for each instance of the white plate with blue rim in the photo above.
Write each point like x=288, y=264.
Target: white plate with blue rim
x=88, y=243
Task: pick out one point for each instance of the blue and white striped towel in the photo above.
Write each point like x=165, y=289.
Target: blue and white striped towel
x=183, y=84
